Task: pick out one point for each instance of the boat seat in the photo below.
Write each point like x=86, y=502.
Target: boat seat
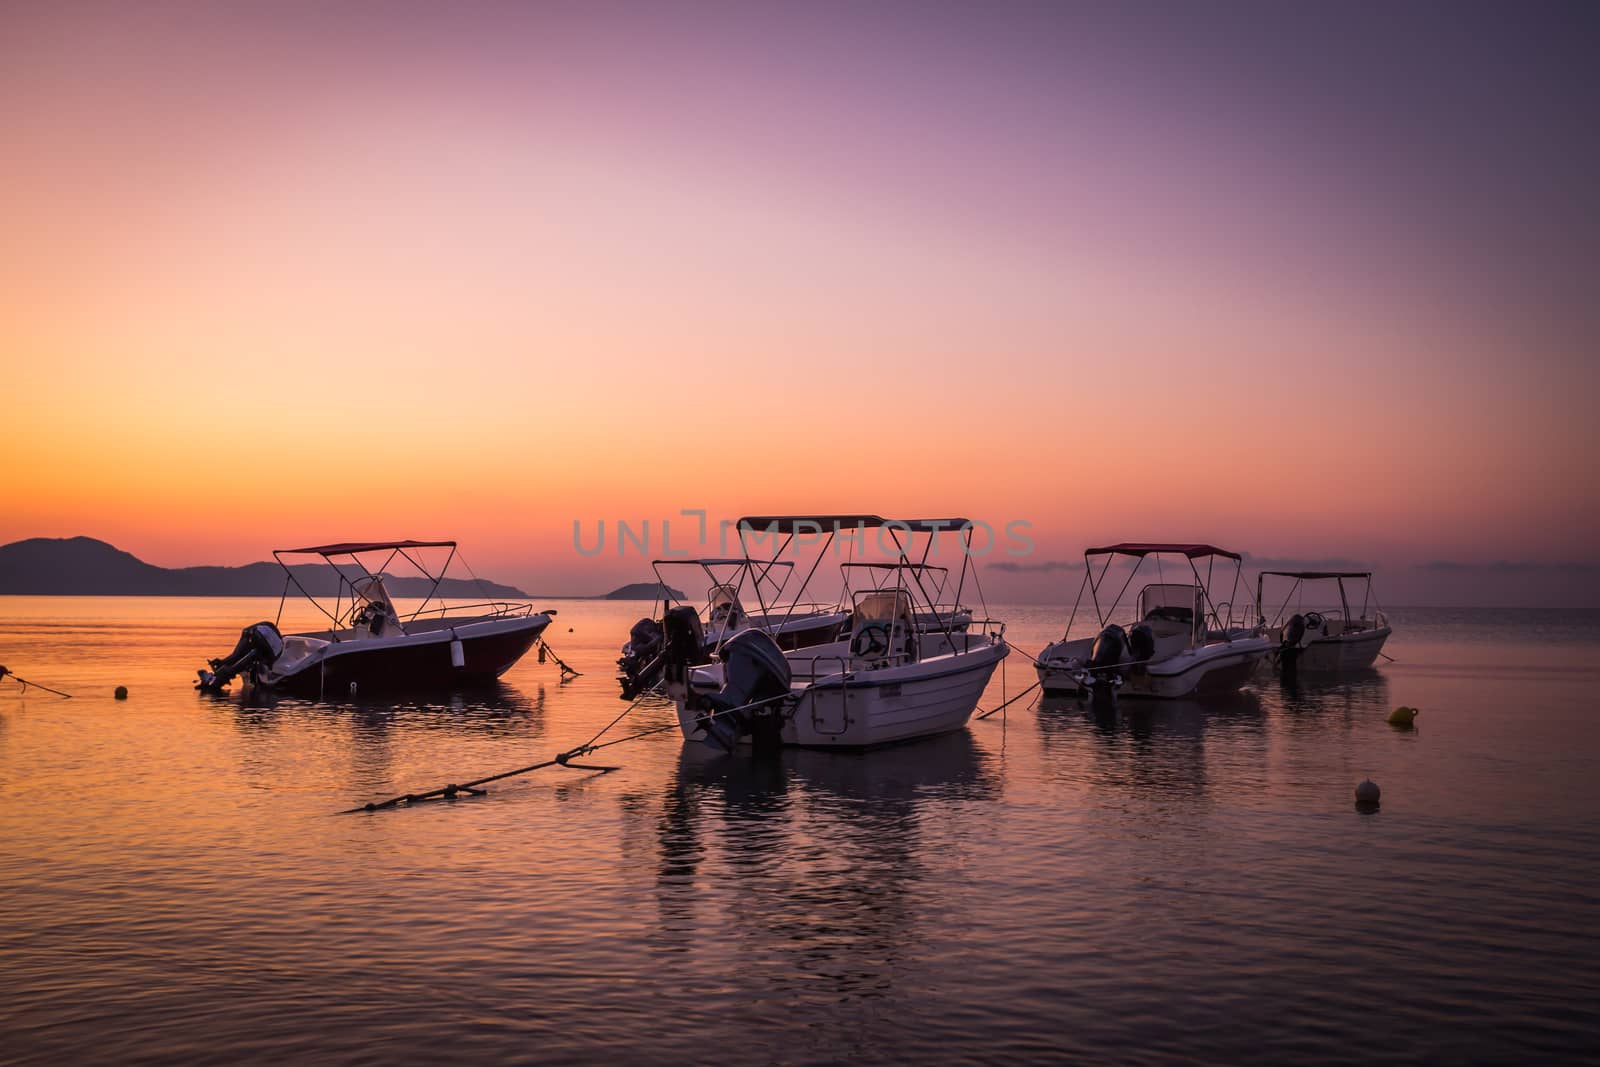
x=295, y=649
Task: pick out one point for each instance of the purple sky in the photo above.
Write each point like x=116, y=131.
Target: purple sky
x=1308, y=280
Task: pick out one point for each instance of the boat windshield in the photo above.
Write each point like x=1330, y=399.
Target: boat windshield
x=891, y=606
x=372, y=608
x=1191, y=604
x=723, y=607
x=1170, y=602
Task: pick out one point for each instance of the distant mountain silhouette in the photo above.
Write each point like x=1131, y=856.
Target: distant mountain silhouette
x=644, y=591
x=82, y=566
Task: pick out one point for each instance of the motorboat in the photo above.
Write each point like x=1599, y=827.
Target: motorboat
x=1179, y=641
x=369, y=646
x=1328, y=640
x=887, y=679
x=723, y=614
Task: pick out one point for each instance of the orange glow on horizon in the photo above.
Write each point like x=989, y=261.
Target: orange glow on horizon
x=368, y=301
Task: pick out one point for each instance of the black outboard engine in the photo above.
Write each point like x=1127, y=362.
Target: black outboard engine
x=1142, y=642
x=640, y=661
x=753, y=669
x=1108, y=647
x=259, y=645
x=1290, y=643
x=1096, y=678
x=1294, y=631
x=684, y=644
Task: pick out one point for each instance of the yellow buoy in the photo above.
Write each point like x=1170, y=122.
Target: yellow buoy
x=1402, y=716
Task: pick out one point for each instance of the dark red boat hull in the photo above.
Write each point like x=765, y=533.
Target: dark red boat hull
x=410, y=668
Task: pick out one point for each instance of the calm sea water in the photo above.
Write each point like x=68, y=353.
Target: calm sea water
x=1173, y=882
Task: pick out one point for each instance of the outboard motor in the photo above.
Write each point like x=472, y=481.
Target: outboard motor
x=640, y=663
x=1292, y=642
x=1096, y=677
x=753, y=670
x=1142, y=642
x=684, y=645
x=1108, y=647
x=258, y=646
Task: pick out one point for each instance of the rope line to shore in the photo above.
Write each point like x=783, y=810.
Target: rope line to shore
x=563, y=759
x=26, y=685
x=1010, y=702
x=607, y=727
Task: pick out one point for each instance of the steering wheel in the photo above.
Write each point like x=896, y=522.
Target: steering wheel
x=1314, y=620
x=871, y=640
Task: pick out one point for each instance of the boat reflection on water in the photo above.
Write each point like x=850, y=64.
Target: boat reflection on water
x=1352, y=697
x=370, y=740
x=1367, y=681
x=1143, y=721
x=494, y=705
x=950, y=765
x=1148, y=749
x=820, y=852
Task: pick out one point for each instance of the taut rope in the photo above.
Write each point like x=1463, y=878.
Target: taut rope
x=4, y=674
x=564, y=759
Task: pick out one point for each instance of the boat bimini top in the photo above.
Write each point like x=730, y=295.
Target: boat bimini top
x=362, y=606
x=1297, y=586
x=908, y=574
x=1187, y=605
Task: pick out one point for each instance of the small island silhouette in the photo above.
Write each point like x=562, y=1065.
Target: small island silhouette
x=84, y=566
x=643, y=591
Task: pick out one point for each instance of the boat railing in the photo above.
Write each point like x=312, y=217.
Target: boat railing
x=1337, y=622
x=815, y=673
x=976, y=634
x=944, y=610
x=492, y=609
x=793, y=612
x=991, y=630
x=1356, y=624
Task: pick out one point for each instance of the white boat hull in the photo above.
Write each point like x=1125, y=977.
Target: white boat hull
x=861, y=708
x=1213, y=668
x=1346, y=652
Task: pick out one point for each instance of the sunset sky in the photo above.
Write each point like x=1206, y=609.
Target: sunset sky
x=1311, y=282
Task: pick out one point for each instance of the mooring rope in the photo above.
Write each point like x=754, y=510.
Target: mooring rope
x=1019, y=648
x=564, y=759
x=1033, y=660
x=545, y=649
x=4, y=674
x=1010, y=702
